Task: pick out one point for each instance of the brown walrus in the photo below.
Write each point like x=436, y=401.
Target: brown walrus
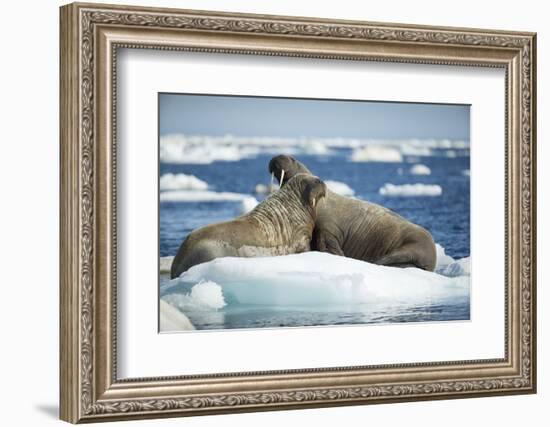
x=282, y=224
x=362, y=230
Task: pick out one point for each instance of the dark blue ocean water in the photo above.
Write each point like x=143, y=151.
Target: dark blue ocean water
x=447, y=216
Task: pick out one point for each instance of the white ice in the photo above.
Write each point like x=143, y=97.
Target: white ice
x=376, y=153
x=415, y=150
x=201, y=196
x=315, y=279
x=204, y=295
x=181, y=181
x=246, y=205
x=172, y=319
x=410, y=190
x=443, y=261
x=205, y=149
x=457, y=268
x=265, y=189
x=420, y=169
x=339, y=188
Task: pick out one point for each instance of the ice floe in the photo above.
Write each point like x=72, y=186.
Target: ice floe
x=420, y=169
x=340, y=188
x=205, y=149
x=376, y=153
x=457, y=268
x=201, y=196
x=265, y=189
x=246, y=205
x=181, y=181
x=410, y=190
x=448, y=266
x=414, y=150
x=172, y=319
x=308, y=279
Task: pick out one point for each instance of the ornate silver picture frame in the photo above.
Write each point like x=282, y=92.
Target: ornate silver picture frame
x=91, y=36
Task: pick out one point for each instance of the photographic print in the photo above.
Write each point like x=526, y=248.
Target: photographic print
x=287, y=212
x=295, y=191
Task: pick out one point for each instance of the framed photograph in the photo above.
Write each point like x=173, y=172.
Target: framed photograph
x=266, y=212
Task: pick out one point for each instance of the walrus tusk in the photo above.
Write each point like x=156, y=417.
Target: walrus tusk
x=270, y=190
x=282, y=177
x=313, y=202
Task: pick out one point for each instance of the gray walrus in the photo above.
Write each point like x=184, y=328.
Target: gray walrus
x=362, y=230
x=282, y=224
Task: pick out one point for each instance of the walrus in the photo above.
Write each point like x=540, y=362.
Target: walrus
x=282, y=224
x=360, y=229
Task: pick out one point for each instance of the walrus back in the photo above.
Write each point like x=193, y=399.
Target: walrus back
x=367, y=231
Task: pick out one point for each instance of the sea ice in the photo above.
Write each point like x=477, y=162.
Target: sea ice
x=442, y=259
x=265, y=189
x=204, y=295
x=376, y=153
x=246, y=205
x=420, y=169
x=415, y=150
x=181, y=181
x=201, y=196
x=311, y=279
x=457, y=268
x=339, y=188
x=172, y=319
x=410, y=190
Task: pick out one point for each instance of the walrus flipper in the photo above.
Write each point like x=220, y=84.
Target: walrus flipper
x=324, y=242
x=404, y=257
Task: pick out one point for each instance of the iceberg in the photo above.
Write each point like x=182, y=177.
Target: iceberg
x=340, y=188
x=309, y=279
x=420, y=169
x=171, y=319
x=376, y=153
x=410, y=190
x=181, y=181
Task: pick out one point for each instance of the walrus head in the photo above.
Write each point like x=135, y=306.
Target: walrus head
x=285, y=167
x=311, y=189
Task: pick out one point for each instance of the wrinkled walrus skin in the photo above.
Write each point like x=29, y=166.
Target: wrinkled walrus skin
x=362, y=230
x=282, y=224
